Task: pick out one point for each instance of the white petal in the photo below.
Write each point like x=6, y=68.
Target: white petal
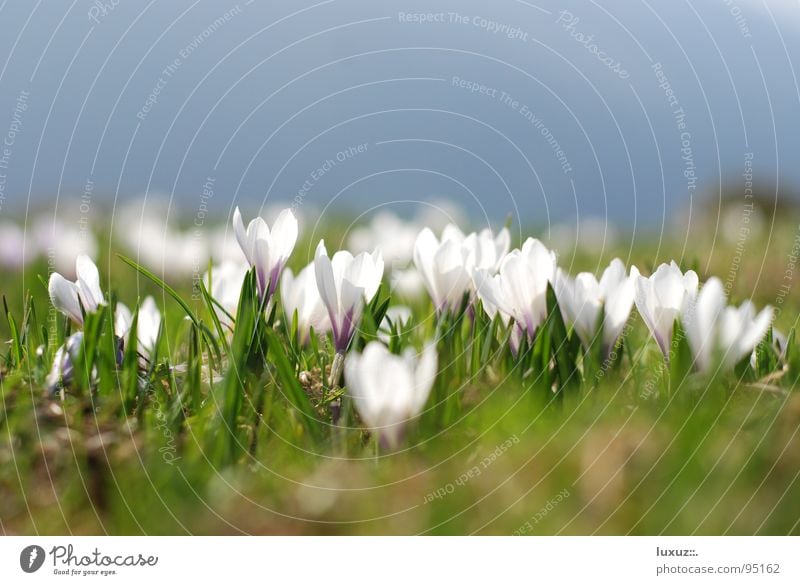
x=351, y=298
x=668, y=287
x=502, y=245
x=289, y=295
x=148, y=324
x=754, y=332
x=371, y=287
x=613, y=276
x=424, y=377
x=284, y=233
x=88, y=283
x=690, y=282
x=356, y=386
x=701, y=320
x=326, y=284
x=588, y=306
x=425, y=248
x=241, y=236
x=617, y=310
x=490, y=292
x=452, y=277
x=64, y=296
x=122, y=320
x=451, y=232
x=565, y=295
x=644, y=298
x=265, y=261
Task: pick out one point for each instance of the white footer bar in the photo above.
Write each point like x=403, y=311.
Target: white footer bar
x=402, y=560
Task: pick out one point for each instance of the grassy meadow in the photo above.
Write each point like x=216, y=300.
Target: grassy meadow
x=236, y=429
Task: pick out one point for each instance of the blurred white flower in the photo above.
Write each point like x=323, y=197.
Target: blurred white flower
x=739, y=222
x=147, y=325
x=226, y=287
x=519, y=290
x=300, y=294
x=719, y=334
x=486, y=250
x=440, y=212
x=392, y=235
x=589, y=235
x=388, y=390
x=223, y=246
x=68, y=297
x=407, y=283
x=583, y=300
x=142, y=226
x=62, y=242
x=345, y=283
x=13, y=252
x=660, y=299
x=447, y=266
x=267, y=250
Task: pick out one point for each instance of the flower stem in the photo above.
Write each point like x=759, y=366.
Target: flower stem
x=336, y=370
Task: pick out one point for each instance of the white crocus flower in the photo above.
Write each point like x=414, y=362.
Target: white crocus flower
x=660, y=299
x=519, y=289
x=226, y=288
x=147, y=324
x=60, y=374
x=299, y=293
x=68, y=297
x=345, y=283
x=719, y=334
x=447, y=265
x=584, y=302
x=389, y=389
x=485, y=250
x=267, y=250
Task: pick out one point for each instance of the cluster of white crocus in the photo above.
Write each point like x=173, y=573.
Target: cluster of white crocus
x=519, y=289
x=447, y=266
x=84, y=296
x=329, y=295
x=721, y=335
x=589, y=305
x=718, y=335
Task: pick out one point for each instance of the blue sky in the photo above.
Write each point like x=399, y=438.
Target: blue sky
x=620, y=110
